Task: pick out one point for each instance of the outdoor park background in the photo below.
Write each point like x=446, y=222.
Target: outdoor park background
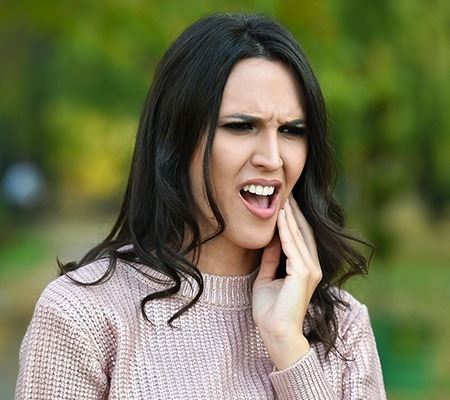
x=73, y=76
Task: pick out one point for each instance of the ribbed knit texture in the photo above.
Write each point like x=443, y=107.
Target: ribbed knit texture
x=92, y=342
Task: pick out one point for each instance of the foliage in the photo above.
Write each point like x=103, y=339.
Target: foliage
x=74, y=75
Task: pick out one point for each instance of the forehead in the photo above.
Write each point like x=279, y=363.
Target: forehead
x=261, y=86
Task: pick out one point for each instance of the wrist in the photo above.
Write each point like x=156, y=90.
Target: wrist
x=286, y=351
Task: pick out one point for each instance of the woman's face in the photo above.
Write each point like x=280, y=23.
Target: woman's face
x=258, y=153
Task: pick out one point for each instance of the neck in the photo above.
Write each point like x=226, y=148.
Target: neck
x=216, y=258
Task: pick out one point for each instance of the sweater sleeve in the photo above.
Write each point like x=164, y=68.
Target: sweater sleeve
x=58, y=358
x=360, y=376
x=304, y=380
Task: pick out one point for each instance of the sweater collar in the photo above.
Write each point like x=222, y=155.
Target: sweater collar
x=224, y=291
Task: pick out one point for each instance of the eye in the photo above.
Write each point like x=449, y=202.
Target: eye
x=238, y=126
x=291, y=130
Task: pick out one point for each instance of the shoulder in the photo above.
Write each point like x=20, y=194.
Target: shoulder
x=351, y=303
x=95, y=315
x=82, y=281
x=350, y=312
x=80, y=295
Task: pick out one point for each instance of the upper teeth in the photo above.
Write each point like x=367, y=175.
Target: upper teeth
x=260, y=190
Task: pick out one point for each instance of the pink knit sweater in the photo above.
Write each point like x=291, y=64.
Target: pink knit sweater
x=92, y=342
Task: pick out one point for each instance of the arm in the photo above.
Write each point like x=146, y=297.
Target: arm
x=359, y=378
x=362, y=378
x=303, y=380
x=280, y=306
x=58, y=358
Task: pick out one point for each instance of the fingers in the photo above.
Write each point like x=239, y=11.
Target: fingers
x=298, y=242
x=291, y=242
x=303, y=225
x=269, y=261
x=295, y=236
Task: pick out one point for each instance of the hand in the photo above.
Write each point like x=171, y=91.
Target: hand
x=280, y=305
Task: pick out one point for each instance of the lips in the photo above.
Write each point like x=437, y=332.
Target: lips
x=260, y=197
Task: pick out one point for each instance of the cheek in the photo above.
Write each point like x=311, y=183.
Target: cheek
x=197, y=185
x=196, y=174
x=297, y=161
x=299, y=170
x=294, y=171
x=226, y=162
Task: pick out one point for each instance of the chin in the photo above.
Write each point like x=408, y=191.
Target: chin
x=254, y=240
x=259, y=244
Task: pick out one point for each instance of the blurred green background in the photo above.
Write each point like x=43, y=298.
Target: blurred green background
x=73, y=76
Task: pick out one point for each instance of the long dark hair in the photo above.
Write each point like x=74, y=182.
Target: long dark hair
x=181, y=109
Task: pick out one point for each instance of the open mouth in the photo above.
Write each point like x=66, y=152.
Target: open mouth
x=258, y=196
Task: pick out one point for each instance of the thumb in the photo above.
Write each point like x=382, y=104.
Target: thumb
x=269, y=261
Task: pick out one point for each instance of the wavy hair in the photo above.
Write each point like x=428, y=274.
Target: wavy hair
x=181, y=110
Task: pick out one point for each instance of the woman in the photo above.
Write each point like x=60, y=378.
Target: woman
x=216, y=280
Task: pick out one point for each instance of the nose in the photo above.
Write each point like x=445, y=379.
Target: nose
x=267, y=152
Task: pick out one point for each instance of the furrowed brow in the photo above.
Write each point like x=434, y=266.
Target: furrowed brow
x=296, y=122
x=243, y=117
x=255, y=120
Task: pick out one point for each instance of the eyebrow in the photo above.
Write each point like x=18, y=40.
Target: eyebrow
x=256, y=120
